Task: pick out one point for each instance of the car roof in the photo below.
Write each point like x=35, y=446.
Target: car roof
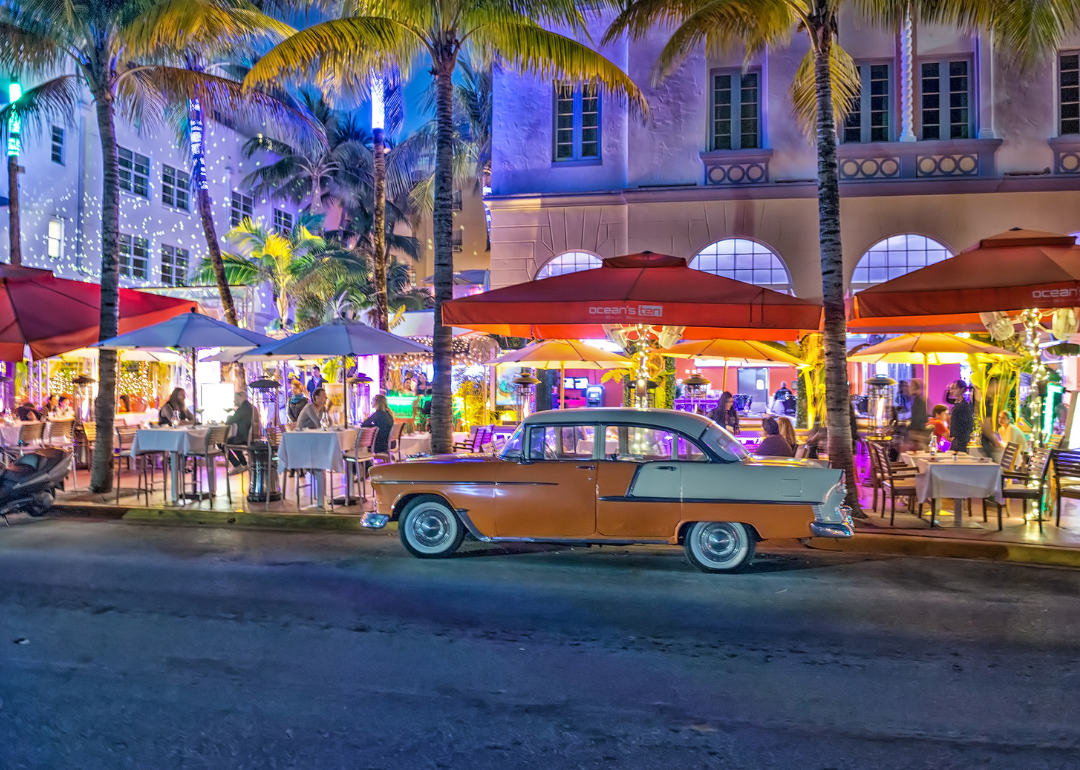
x=668, y=419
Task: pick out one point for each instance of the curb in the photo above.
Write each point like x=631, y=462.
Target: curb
x=194, y=517
x=952, y=548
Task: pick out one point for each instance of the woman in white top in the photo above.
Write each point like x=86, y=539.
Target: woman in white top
x=1010, y=434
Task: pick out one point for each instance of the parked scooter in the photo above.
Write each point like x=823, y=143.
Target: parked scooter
x=29, y=484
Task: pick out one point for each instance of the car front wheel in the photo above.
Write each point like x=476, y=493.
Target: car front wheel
x=719, y=546
x=429, y=528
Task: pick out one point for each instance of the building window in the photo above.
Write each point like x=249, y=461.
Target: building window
x=55, y=245
x=175, y=187
x=134, y=257
x=571, y=262
x=283, y=221
x=577, y=121
x=736, y=111
x=457, y=200
x=896, y=256
x=241, y=208
x=174, y=265
x=870, y=116
x=134, y=172
x=945, y=99
x=744, y=260
x=459, y=234
x=58, y=145
x=1069, y=92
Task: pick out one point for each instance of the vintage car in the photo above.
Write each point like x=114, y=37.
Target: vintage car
x=613, y=477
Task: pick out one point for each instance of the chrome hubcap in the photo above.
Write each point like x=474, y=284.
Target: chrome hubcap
x=430, y=527
x=719, y=542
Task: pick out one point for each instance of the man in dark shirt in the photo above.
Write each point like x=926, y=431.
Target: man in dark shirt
x=239, y=422
x=962, y=417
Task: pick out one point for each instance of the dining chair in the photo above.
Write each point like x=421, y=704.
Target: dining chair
x=360, y=460
x=61, y=434
x=468, y=444
x=897, y=481
x=1066, y=477
x=212, y=451
x=1028, y=486
x=393, y=448
x=125, y=438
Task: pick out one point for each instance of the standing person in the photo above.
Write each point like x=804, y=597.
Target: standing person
x=175, y=411
x=773, y=445
x=297, y=401
x=961, y=419
x=725, y=415
x=382, y=419
x=311, y=415
x=316, y=380
x=787, y=430
x=240, y=423
x=988, y=440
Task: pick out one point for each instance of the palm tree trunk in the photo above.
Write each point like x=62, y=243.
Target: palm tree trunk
x=14, y=229
x=837, y=402
x=378, y=251
x=442, y=415
x=101, y=473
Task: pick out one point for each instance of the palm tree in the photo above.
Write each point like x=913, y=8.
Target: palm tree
x=118, y=50
x=283, y=261
x=370, y=34
x=824, y=88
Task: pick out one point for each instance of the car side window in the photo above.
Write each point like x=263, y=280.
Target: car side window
x=562, y=442
x=637, y=444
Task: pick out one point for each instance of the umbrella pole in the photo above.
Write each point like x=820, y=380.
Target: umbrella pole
x=562, y=385
x=194, y=387
x=345, y=390
x=723, y=382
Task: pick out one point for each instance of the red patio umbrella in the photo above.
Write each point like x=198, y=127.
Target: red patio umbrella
x=639, y=288
x=1016, y=270
x=54, y=315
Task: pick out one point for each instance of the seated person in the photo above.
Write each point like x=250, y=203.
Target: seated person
x=175, y=411
x=939, y=421
x=773, y=445
x=28, y=412
x=125, y=403
x=51, y=408
x=311, y=415
x=240, y=423
x=297, y=401
x=383, y=419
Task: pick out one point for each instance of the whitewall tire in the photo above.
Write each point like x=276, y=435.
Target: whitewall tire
x=429, y=528
x=719, y=546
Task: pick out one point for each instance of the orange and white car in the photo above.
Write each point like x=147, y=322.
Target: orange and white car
x=613, y=477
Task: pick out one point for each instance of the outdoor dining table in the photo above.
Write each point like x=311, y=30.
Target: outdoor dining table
x=958, y=476
x=177, y=442
x=420, y=443
x=315, y=450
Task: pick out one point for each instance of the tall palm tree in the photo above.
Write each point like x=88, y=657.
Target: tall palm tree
x=369, y=34
x=283, y=261
x=118, y=50
x=824, y=88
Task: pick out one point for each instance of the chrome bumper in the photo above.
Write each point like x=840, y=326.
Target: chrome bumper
x=374, y=520
x=823, y=529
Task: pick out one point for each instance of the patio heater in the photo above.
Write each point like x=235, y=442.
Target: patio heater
x=523, y=385
x=358, y=396
x=265, y=393
x=696, y=387
x=881, y=391
x=84, y=397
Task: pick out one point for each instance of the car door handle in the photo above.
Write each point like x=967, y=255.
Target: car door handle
x=586, y=467
x=665, y=467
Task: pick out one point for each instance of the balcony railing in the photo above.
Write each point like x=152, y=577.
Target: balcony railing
x=736, y=167
x=1066, y=154
x=918, y=160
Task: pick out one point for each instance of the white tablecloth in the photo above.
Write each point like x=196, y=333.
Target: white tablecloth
x=10, y=433
x=180, y=440
x=420, y=443
x=961, y=478
x=315, y=449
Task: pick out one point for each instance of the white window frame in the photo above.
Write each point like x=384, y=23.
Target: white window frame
x=945, y=92
x=175, y=263
x=578, y=261
x=576, y=95
x=737, y=80
x=746, y=260
x=134, y=172
x=1073, y=105
x=132, y=265
x=865, y=112
x=891, y=265
x=241, y=207
x=58, y=145
x=175, y=192
x=458, y=238
x=54, y=241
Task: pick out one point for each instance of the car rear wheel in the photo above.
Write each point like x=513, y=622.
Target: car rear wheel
x=719, y=546
x=429, y=528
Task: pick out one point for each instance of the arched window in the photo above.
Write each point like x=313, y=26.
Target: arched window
x=570, y=262
x=744, y=260
x=895, y=256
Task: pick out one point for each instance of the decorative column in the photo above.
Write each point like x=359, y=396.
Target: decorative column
x=907, y=74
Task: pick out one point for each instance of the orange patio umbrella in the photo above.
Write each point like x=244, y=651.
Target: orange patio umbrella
x=1015, y=270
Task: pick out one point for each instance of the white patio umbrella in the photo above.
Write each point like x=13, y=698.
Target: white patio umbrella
x=187, y=332
x=340, y=338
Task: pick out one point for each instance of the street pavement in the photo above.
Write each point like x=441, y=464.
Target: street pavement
x=126, y=645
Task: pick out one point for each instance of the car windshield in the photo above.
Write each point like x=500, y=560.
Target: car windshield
x=724, y=444
x=512, y=448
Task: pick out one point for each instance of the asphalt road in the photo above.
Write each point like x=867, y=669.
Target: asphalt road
x=124, y=645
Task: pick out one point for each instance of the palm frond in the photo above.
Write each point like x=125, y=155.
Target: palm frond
x=53, y=102
x=846, y=86
x=205, y=25
x=27, y=46
x=138, y=98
